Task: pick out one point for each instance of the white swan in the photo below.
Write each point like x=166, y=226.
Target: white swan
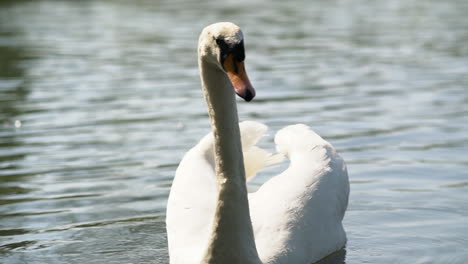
x=294, y=218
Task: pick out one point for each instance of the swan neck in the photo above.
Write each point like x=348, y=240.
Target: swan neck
x=232, y=239
x=222, y=109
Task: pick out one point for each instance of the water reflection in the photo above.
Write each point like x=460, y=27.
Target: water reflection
x=13, y=89
x=13, y=94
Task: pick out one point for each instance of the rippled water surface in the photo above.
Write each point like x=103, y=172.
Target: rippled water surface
x=99, y=100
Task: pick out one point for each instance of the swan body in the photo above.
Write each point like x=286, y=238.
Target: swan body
x=295, y=217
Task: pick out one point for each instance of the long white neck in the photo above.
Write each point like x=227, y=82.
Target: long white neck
x=232, y=239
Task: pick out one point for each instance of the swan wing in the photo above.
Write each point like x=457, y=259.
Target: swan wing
x=191, y=204
x=297, y=215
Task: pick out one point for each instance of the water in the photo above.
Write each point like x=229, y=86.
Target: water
x=100, y=99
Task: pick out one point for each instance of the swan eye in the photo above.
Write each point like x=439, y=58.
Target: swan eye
x=239, y=51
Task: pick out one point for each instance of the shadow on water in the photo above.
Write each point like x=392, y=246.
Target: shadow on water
x=338, y=257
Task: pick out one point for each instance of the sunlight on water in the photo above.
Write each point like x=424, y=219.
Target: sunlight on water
x=99, y=100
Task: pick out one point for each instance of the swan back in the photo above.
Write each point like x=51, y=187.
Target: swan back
x=298, y=138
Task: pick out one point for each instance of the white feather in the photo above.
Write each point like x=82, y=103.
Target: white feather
x=255, y=158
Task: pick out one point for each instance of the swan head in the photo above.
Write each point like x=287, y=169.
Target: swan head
x=222, y=45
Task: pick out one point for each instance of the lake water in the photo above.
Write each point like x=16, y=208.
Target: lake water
x=99, y=100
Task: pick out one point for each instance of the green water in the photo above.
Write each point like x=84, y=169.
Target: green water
x=99, y=100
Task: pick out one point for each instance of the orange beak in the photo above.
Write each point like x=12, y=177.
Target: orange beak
x=240, y=81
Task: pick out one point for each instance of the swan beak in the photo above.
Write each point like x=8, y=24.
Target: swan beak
x=240, y=81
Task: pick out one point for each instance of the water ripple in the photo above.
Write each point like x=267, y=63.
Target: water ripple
x=96, y=112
